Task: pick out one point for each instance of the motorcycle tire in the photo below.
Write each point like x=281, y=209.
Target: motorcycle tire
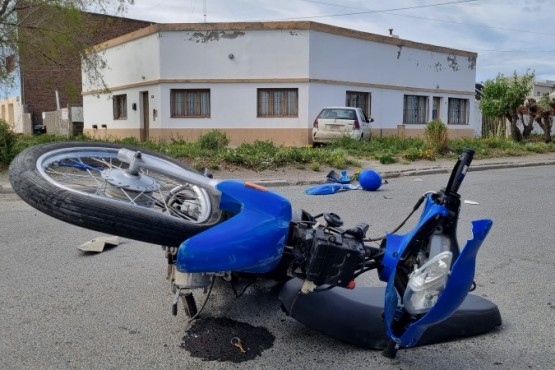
x=69, y=181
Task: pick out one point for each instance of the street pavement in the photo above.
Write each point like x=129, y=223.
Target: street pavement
x=65, y=309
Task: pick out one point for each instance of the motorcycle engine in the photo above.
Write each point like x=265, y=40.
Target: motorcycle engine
x=331, y=258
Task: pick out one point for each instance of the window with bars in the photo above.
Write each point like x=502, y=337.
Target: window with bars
x=119, y=103
x=458, y=111
x=415, y=109
x=278, y=103
x=190, y=103
x=436, y=108
x=358, y=99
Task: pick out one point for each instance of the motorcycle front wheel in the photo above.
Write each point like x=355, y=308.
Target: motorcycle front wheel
x=89, y=185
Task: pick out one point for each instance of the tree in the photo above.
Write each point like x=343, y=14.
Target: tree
x=502, y=97
x=545, y=116
x=530, y=110
x=50, y=30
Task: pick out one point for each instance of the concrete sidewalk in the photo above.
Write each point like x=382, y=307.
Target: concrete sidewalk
x=296, y=176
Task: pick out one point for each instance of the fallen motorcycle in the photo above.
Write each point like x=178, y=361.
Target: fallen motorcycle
x=230, y=229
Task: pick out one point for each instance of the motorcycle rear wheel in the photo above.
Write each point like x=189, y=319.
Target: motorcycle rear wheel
x=85, y=184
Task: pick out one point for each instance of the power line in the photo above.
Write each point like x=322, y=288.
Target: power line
x=516, y=51
x=474, y=25
x=376, y=11
x=391, y=11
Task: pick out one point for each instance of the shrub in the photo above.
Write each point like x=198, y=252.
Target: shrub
x=387, y=159
x=214, y=140
x=414, y=154
x=130, y=140
x=7, y=143
x=436, y=136
x=315, y=166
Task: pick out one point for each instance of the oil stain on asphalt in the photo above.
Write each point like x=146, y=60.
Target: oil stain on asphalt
x=224, y=339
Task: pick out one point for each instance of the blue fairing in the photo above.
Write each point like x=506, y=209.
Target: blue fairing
x=251, y=241
x=458, y=285
x=396, y=244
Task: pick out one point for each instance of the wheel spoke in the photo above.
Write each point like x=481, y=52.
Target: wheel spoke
x=101, y=173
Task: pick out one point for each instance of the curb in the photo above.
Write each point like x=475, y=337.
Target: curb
x=496, y=166
x=7, y=188
x=412, y=172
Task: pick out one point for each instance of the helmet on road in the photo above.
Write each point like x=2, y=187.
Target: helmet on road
x=370, y=180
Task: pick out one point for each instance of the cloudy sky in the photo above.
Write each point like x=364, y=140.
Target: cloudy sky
x=508, y=35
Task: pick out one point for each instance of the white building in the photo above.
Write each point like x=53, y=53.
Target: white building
x=268, y=81
x=541, y=88
x=11, y=111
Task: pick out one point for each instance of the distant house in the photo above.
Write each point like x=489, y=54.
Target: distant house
x=43, y=83
x=268, y=81
x=541, y=88
x=11, y=111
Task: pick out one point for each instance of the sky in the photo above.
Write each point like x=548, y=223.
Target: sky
x=508, y=35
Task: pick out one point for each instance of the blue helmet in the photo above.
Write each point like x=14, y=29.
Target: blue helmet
x=370, y=180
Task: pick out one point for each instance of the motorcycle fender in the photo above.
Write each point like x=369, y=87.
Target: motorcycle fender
x=250, y=241
x=458, y=285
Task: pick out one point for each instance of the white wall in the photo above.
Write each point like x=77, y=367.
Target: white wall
x=98, y=110
x=541, y=88
x=389, y=72
x=234, y=63
x=137, y=61
x=11, y=111
x=233, y=105
x=348, y=59
x=190, y=56
x=256, y=54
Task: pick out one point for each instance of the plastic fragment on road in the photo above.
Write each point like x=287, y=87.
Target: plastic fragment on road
x=98, y=244
x=334, y=177
x=330, y=189
x=471, y=202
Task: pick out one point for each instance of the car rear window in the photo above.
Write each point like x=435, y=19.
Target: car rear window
x=337, y=114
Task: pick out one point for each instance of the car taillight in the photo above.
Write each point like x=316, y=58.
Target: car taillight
x=356, y=125
x=315, y=124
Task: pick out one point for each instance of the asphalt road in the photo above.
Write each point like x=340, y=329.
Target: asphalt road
x=60, y=308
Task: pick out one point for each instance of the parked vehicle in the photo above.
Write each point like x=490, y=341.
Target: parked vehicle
x=227, y=229
x=334, y=122
x=39, y=129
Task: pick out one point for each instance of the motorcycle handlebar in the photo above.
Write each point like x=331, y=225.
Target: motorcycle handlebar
x=459, y=171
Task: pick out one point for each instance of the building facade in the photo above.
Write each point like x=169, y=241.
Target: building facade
x=46, y=84
x=268, y=81
x=541, y=88
x=11, y=111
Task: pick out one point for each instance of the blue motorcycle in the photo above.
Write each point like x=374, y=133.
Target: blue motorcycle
x=227, y=229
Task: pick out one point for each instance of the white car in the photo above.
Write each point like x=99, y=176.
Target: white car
x=334, y=122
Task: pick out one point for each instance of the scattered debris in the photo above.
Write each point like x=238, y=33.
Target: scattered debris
x=330, y=189
x=98, y=244
x=334, y=177
x=471, y=202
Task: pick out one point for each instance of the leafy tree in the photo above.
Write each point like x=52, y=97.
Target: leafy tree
x=541, y=112
x=502, y=97
x=49, y=30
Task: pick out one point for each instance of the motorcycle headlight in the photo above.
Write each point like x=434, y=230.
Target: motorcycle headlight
x=426, y=284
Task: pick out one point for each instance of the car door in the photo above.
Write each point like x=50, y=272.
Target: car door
x=364, y=124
